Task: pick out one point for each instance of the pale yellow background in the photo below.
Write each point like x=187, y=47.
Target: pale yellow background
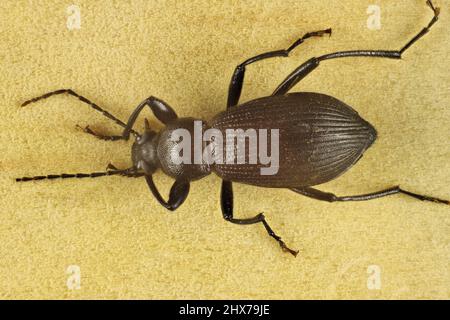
x=184, y=52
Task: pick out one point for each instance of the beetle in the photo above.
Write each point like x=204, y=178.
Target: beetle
x=320, y=137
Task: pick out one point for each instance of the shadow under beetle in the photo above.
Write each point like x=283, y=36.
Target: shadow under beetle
x=320, y=138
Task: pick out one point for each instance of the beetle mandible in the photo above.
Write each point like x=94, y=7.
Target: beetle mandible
x=320, y=138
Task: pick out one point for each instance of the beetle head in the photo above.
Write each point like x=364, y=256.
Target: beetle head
x=144, y=151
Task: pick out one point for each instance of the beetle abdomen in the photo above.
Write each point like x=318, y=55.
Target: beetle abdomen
x=320, y=138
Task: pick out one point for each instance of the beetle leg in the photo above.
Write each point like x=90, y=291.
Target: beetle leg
x=306, y=68
x=178, y=193
x=227, y=211
x=234, y=93
x=130, y=172
x=237, y=79
x=83, y=99
x=162, y=111
x=88, y=130
x=330, y=197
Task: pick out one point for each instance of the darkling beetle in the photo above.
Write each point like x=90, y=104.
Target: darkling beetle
x=320, y=138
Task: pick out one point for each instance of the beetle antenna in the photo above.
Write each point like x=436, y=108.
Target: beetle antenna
x=126, y=173
x=82, y=99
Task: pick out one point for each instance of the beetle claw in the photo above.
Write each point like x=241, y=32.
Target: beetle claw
x=285, y=248
x=436, y=10
x=86, y=129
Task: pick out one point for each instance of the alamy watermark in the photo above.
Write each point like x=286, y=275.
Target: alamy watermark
x=374, y=20
x=74, y=280
x=374, y=278
x=74, y=17
x=239, y=146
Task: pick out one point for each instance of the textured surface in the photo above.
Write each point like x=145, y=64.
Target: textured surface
x=184, y=52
